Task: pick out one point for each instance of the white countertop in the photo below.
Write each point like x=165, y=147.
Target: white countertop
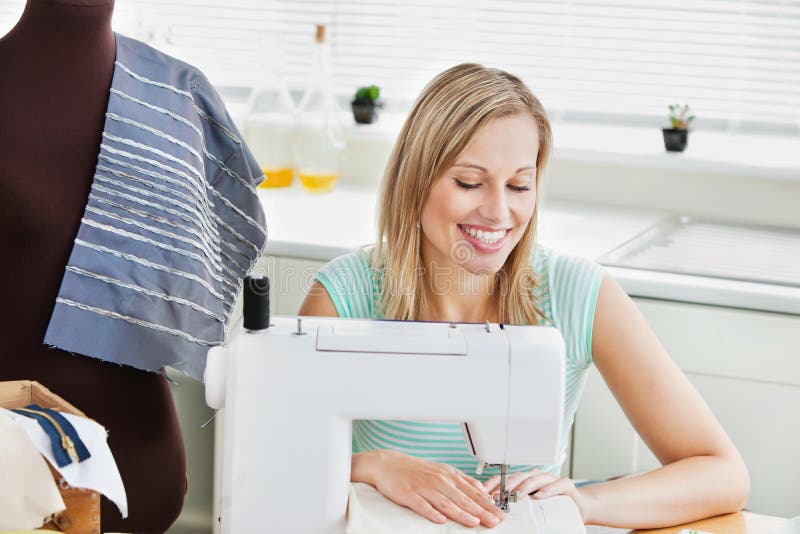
x=323, y=226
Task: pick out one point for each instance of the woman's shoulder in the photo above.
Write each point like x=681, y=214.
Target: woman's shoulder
x=349, y=280
x=567, y=277
x=561, y=268
x=571, y=284
x=358, y=261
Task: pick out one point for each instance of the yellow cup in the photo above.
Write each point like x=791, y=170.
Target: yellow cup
x=318, y=182
x=281, y=177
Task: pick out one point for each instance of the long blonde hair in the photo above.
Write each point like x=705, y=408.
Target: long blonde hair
x=444, y=119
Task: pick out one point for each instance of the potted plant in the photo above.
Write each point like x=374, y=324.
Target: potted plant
x=676, y=137
x=365, y=104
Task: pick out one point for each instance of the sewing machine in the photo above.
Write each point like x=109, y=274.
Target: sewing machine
x=292, y=390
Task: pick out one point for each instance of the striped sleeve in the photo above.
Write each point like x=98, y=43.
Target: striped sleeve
x=348, y=281
x=574, y=286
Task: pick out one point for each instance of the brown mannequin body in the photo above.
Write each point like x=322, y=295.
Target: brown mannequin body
x=56, y=66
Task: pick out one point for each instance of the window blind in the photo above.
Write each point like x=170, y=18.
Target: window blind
x=736, y=62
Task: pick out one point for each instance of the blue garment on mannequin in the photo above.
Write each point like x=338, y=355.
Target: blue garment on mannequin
x=171, y=225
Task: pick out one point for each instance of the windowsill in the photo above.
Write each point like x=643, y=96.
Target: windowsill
x=761, y=156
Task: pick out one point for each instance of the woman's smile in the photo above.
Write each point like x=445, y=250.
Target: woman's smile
x=484, y=238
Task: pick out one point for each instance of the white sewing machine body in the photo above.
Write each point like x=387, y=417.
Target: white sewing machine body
x=290, y=399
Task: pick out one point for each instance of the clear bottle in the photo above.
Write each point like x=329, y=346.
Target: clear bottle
x=318, y=141
x=270, y=121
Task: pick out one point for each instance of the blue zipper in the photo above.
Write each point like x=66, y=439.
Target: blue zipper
x=67, y=444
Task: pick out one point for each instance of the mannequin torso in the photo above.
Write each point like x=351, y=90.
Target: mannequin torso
x=57, y=66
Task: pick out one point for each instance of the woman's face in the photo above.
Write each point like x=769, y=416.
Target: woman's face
x=478, y=209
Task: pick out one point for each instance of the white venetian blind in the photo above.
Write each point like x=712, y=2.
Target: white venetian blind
x=737, y=62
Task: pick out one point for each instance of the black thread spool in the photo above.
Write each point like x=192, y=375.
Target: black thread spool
x=256, y=303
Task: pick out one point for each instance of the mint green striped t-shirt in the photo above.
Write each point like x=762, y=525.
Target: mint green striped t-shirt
x=566, y=294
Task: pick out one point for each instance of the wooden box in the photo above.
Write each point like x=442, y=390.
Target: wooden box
x=82, y=515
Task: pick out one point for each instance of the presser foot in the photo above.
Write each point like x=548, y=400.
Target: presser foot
x=502, y=500
x=504, y=496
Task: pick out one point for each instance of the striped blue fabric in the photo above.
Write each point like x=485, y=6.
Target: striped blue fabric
x=171, y=225
x=566, y=294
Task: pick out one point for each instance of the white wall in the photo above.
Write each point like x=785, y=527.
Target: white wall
x=746, y=198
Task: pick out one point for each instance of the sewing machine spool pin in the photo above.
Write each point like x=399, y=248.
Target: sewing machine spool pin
x=299, y=331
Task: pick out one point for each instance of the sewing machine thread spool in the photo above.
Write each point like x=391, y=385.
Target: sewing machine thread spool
x=256, y=303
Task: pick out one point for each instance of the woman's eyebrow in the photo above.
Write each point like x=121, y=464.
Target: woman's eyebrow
x=473, y=166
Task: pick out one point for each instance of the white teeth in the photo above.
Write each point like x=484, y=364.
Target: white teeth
x=485, y=237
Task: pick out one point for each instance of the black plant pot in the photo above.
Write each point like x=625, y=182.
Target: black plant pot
x=364, y=112
x=675, y=139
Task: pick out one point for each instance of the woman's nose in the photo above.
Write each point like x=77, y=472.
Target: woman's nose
x=495, y=206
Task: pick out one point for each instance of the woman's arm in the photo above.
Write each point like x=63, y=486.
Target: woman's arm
x=436, y=491
x=702, y=473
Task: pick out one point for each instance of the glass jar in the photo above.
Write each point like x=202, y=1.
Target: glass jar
x=268, y=133
x=270, y=119
x=318, y=140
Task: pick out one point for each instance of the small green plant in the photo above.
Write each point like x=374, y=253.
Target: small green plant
x=369, y=94
x=680, y=116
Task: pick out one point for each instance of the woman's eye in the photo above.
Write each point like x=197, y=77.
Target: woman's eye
x=465, y=185
x=519, y=188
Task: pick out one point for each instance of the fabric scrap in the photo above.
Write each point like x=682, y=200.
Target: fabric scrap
x=98, y=472
x=28, y=493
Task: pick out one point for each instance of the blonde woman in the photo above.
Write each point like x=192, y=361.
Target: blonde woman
x=457, y=242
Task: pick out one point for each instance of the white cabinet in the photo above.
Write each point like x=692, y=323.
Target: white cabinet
x=746, y=365
x=294, y=277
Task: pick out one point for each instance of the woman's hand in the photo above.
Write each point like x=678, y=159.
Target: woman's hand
x=436, y=491
x=539, y=485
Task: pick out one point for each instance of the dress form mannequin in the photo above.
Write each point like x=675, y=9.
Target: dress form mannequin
x=57, y=66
